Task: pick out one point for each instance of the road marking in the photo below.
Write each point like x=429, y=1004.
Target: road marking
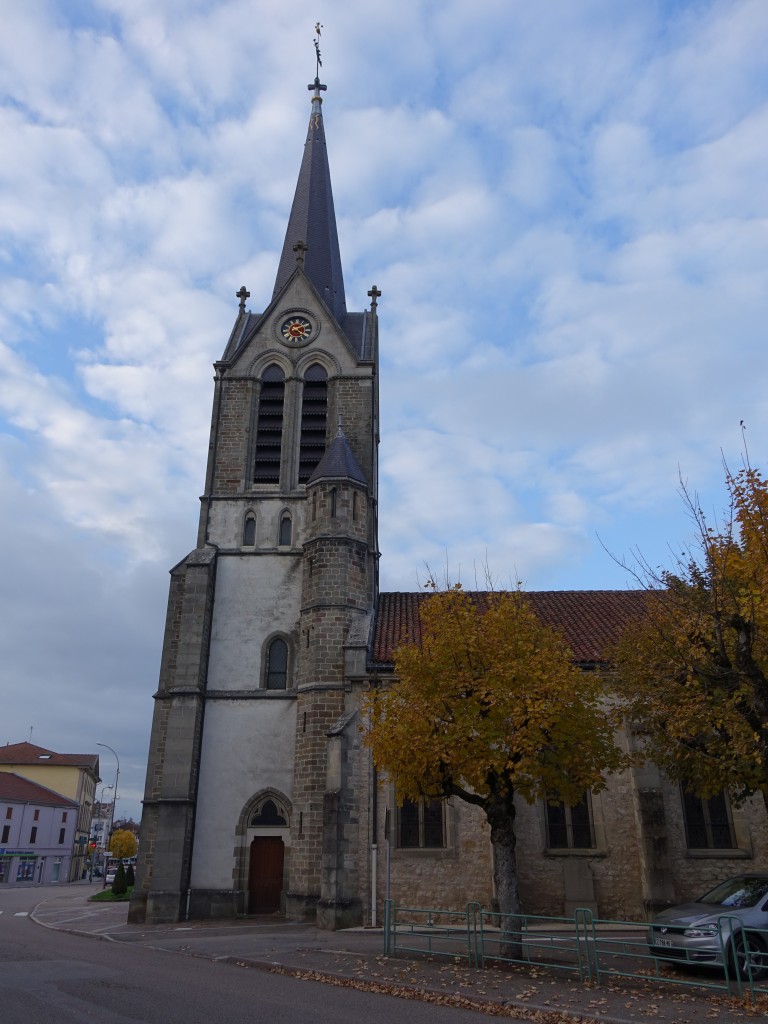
x=22, y=913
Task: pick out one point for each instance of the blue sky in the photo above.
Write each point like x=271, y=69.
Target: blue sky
x=564, y=205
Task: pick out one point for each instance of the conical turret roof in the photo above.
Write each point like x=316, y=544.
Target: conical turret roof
x=338, y=463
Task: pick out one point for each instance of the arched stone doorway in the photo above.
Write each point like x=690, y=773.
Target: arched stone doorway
x=268, y=833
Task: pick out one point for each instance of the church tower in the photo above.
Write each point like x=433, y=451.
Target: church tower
x=247, y=807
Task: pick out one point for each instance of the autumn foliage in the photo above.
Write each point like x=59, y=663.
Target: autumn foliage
x=694, y=670
x=123, y=843
x=490, y=705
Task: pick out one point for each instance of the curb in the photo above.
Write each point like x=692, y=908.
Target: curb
x=495, y=1008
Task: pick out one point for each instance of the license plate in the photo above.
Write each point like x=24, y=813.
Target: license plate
x=663, y=942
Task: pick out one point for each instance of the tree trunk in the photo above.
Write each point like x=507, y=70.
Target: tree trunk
x=502, y=821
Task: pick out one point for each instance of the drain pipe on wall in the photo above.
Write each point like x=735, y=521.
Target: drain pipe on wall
x=374, y=876
x=375, y=819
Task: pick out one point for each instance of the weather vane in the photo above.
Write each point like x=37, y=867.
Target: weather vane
x=316, y=84
x=318, y=27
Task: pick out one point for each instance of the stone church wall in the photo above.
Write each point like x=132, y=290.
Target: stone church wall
x=444, y=879
x=248, y=746
x=692, y=872
x=605, y=879
x=256, y=597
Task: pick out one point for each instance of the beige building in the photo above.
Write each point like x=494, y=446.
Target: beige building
x=74, y=776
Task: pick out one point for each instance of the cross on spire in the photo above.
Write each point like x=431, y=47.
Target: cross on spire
x=242, y=295
x=301, y=249
x=374, y=294
x=316, y=84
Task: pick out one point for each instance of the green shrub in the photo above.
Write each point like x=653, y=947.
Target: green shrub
x=120, y=884
x=130, y=877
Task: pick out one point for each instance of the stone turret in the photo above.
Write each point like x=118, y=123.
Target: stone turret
x=336, y=594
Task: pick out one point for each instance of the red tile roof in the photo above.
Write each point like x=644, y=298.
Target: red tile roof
x=590, y=621
x=15, y=788
x=29, y=753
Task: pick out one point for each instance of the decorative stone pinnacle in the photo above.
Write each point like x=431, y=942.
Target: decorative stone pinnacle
x=242, y=295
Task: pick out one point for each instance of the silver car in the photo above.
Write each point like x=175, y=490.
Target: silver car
x=726, y=927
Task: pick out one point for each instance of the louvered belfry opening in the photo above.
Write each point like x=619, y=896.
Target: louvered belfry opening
x=314, y=417
x=269, y=428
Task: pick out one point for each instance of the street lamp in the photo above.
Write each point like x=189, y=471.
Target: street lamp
x=114, y=804
x=99, y=853
x=117, y=776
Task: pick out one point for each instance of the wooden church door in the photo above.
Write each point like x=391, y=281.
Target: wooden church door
x=265, y=875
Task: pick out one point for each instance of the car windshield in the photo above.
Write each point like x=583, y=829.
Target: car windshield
x=744, y=891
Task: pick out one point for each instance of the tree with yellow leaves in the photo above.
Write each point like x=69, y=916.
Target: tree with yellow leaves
x=487, y=707
x=694, y=669
x=123, y=844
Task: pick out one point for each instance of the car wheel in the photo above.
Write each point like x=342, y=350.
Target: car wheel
x=748, y=944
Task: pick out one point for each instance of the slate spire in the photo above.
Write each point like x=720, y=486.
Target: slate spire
x=313, y=219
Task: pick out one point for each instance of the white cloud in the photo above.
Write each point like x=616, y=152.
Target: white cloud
x=565, y=208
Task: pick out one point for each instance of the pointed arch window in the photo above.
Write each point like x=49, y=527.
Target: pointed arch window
x=269, y=815
x=314, y=418
x=269, y=427
x=284, y=537
x=249, y=530
x=276, y=674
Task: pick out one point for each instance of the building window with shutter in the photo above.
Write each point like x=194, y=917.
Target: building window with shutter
x=314, y=417
x=269, y=427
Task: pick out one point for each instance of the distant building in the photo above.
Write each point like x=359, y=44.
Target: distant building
x=73, y=776
x=100, y=822
x=37, y=827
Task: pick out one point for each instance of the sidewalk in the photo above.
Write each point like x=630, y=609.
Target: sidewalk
x=354, y=958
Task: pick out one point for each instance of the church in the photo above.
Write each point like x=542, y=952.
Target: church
x=260, y=796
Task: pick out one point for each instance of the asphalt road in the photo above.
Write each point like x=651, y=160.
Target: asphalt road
x=53, y=977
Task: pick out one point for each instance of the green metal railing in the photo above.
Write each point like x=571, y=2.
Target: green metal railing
x=593, y=949
x=438, y=933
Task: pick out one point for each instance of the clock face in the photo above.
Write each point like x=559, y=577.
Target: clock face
x=296, y=328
